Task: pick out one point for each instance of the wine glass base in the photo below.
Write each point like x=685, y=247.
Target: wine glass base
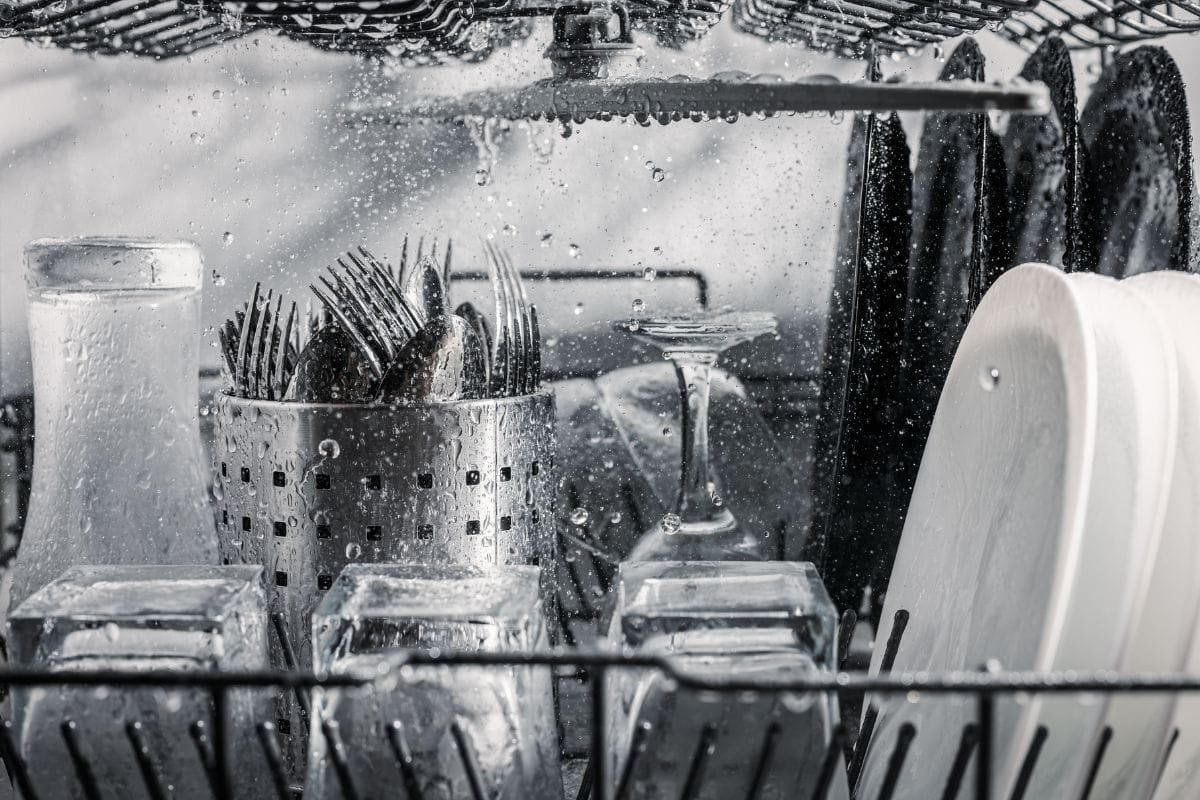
x=718, y=539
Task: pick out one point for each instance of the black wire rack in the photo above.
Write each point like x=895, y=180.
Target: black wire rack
x=213, y=736
x=158, y=29
x=1086, y=24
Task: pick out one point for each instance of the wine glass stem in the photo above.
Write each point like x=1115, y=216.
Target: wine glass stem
x=692, y=371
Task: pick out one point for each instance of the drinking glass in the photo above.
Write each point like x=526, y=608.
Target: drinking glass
x=700, y=528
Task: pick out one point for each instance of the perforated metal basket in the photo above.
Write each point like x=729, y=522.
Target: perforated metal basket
x=304, y=489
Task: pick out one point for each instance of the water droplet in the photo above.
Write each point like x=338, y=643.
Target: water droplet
x=667, y=431
x=649, y=273
x=579, y=516
x=217, y=278
x=658, y=174
x=216, y=94
x=989, y=378
x=578, y=309
x=197, y=137
x=639, y=305
x=671, y=523
x=573, y=250
x=111, y=631
x=329, y=448
x=227, y=237
x=482, y=177
x=353, y=550
x=546, y=239
x=614, y=517
x=509, y=229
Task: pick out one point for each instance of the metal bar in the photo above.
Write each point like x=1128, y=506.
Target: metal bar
x=987, y=731
x=197, y=730
x=404, y=760
x=470, y=763
x=337, y=754
x=1102, y=747
x=704, y=750
x=758, y=780
x=566, y=275
x=83, y=770
x=599, y=733
x=220, y=728
x=829, y=764
x=891, y=778
x=141, y=753
x=892, y=646
x=636, y=748
x=274, y=757
x=1162, y=767
x=1029, y=762
x=16, y=765
x=962, y=757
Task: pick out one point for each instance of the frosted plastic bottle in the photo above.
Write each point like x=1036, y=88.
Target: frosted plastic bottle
x=118, y=468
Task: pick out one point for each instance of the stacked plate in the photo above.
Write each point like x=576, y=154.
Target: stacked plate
x=1049, y=529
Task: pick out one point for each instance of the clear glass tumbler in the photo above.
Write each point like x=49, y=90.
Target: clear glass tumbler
x=118, y=467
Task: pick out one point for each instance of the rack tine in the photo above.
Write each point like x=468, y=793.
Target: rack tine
x=830, y=762
x=861, y=745
x=1166, y=757
x=404, y=760
x=1029, y=762
x=198, y=731
x=962, y=757
x=759, y=780
x=585, y=783
x=141, y=752
x=83, y=770
x=638, y=746
x=337, y=754
x=470, y=764
x=274, y=757
x=17, y=768
x=704, y=750
x=904, y=738
x=289, y=656
x=1105, y=738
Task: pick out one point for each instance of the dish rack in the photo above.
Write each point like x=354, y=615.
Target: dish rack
x=425, y=32
x=212, y=737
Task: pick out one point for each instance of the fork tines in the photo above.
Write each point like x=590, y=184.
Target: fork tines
x=516, y=354
x=259, y=355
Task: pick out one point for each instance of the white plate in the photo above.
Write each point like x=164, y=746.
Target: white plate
x=1176, y=296
x=994, y=562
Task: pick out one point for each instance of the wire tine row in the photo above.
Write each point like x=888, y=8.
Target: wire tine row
x=1086, y=24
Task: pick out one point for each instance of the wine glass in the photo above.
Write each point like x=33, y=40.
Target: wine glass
x=700, y=528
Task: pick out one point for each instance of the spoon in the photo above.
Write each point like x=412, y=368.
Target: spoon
x=424, y=290
x=479, y=324
x=330, y=369
x=442, y=363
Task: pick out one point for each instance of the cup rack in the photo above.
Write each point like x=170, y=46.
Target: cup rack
x=213, y=736
x=1086, y=24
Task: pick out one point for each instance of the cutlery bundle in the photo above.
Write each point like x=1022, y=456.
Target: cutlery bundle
x=382, y=335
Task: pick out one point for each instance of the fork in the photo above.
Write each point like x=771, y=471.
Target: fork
x=261, y=358
x=516, y=357
x=367, y=301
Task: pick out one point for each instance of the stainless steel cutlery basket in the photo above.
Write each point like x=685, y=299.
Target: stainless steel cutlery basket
x=304, y=489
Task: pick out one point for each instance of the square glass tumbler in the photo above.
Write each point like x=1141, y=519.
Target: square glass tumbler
x=434, y=732
x=769, y=622
x=137, y=619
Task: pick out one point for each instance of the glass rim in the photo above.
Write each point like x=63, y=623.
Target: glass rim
x=114, y=242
